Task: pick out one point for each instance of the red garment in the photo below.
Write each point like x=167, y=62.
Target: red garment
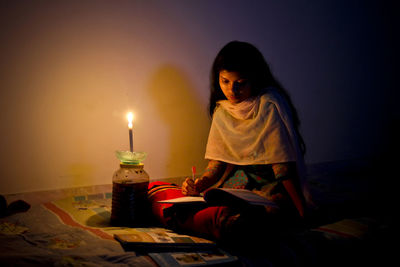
x=206, y=221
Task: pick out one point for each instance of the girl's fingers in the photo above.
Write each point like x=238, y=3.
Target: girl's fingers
x=188, y=187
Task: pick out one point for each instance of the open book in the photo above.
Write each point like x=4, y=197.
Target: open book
x=160, y=240
x=224, y=196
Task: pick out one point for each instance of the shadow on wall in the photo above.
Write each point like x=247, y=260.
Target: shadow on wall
x=187, y=119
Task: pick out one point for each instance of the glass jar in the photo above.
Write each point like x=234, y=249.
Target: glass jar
x=130, y=206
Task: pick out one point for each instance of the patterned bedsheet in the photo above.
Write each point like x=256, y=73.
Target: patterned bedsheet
x=67, y=232
x=75, y=231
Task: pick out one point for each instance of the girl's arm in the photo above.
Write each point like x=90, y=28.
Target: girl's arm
x=287, y=172
x=211, y=175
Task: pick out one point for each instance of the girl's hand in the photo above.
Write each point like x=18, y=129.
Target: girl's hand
x=189, y=188
x=211, y=175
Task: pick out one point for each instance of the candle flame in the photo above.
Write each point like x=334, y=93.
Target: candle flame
x=129, y=116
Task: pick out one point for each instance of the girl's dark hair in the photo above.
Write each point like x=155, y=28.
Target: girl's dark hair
x=246, y=59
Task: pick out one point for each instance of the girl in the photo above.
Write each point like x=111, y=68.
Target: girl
x=254, y=143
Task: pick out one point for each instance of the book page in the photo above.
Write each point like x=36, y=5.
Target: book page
x=189, y=199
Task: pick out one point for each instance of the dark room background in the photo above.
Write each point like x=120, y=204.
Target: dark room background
x=71, y=70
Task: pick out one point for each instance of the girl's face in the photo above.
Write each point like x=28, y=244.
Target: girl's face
x=235, y=87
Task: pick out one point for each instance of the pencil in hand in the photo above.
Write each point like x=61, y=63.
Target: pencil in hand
x=194, y=173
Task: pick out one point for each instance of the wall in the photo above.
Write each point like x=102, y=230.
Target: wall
x=70, y=70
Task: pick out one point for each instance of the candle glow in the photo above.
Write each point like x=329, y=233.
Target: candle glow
x=129, y=116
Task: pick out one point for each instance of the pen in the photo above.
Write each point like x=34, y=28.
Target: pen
x=193, y=172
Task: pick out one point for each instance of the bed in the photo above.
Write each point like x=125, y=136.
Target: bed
x=352, y=226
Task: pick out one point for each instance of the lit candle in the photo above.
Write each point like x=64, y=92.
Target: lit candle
x=130, y=119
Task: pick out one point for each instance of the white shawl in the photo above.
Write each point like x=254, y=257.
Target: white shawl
x=258, y=130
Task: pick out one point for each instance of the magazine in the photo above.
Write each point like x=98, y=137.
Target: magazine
x=190, y=259
x=224, y=196
x=160, y=240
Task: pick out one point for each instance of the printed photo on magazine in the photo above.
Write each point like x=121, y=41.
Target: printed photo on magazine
x=190, y=259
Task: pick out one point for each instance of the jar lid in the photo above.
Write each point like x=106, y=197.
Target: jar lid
x=127, y=165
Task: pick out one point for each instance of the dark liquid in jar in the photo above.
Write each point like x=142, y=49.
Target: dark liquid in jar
x=129, y=204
